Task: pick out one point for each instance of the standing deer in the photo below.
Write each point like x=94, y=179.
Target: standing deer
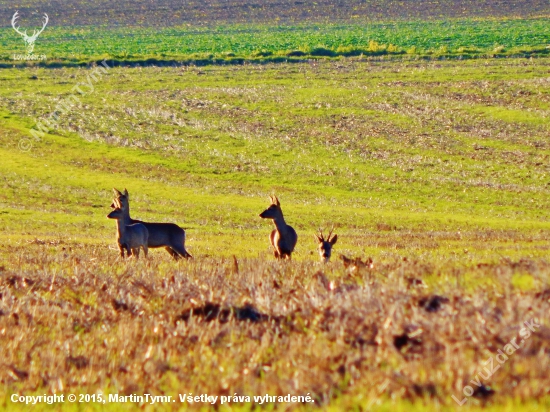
x=130, y=237
x=284, y=237
x=167, y=235
x=325, y=245
x=29, y=40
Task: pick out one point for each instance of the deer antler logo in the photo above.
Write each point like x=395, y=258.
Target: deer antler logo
x=29, y=40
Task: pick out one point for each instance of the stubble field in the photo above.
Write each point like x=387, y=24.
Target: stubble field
x=435, y=174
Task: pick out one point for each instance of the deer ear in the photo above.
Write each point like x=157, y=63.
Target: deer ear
x=276, y=201
x=333, y=240
x=126, y=193
x=116, y=192
x=317, y=238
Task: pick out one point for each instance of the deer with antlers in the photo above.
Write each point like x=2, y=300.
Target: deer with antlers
x=29, y=40
x=284, y=238
x=167, y=235
x=325, y=245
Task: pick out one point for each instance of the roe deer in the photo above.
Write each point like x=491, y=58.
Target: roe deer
x=130, y=237
x=284, y=237
x=167, y=235
x=325, y=245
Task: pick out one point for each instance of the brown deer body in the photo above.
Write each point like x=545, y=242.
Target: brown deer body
x=167, y=235
x=129, y=237
x=284, y=238
x=325, y=245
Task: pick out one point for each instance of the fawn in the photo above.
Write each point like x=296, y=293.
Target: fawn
x=325, y=245
x=284, y=237
x=130, y=237
x=167, y=235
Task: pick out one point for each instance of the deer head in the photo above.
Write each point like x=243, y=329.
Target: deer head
x=274, y=210
x=119, y=210
x=325, y=245
x=29, y=40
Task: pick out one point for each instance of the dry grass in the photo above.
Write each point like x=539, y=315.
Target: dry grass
x=77, y=319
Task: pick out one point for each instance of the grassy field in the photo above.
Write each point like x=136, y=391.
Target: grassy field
x=435, y=174
x=164, y=33
x=235, y=44
x=233, y=32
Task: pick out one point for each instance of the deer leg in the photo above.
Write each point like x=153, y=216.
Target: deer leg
x=272, y=240
x=145, y=250
x=135, y=252
x=172, y=252
x=121, y=249
x=180, y=249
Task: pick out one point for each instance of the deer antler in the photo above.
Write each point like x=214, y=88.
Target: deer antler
x=46, y=20
x=330, y=233
x=322, y=237
x=35, y=32
x=14, y=21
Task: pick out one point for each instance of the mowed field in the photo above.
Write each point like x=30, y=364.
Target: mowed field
x=391, y=122
x=435, y=174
